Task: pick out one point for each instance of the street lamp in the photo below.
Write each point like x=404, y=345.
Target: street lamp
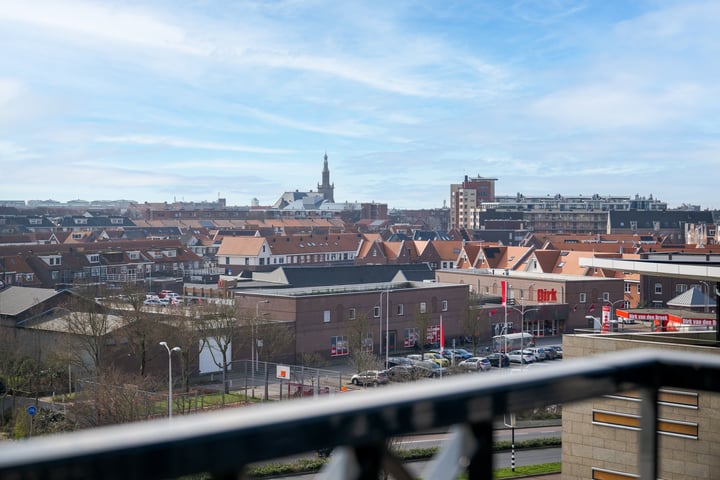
x=522, y=313
x=170, y=389
x=387, y=326
x=707, y=294
x=612, y=309
x=254, y=360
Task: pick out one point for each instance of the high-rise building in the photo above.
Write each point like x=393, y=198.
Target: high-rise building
x=466, y=197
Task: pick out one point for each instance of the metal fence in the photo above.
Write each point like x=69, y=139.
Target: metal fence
x=359, y=425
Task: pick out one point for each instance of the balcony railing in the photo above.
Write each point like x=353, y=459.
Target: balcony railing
x=359, y=424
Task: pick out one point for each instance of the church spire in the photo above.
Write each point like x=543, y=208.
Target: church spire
x=326, y=188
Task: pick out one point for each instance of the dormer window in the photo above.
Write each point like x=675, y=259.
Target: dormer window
x=53, y=260
x=95, y=258
x=117, y=221
x=81, y=221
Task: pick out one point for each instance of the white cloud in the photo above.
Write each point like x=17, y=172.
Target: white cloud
x=176, y=142
x=10, y=151
x=10, y=90
x=102, y=22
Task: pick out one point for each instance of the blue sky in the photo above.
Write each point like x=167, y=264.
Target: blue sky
x=166, y=100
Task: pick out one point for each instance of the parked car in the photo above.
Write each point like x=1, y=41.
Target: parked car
x=437, y=358
x=458, y=354
x=550, y=354
x=395, y=361
x=557, y=349
x=479, y=364
x=499, y=360
x=538, y=352
x=430, y=368
x=462, y=353
x=516, y=356
x=370, y=377
x=429, y=356
x=401, y=373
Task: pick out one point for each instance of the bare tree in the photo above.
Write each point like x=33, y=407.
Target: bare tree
x=360, y=343
x=89, y=324
x=273, y=338
x=217, y=325
x=472, y=322
x=187, y=335
x=138, y=324
x=117, y=398
x=422, y=321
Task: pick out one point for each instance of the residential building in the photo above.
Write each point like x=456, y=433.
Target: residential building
x=467, y=197
x=238, y=254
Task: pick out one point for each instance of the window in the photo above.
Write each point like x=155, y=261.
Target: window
x=326, y=316
x=351, y=314
x=680, y=288
x=627, y=288
x=658, y=289
x=638, y=289
x=338, y=346
x=583, y=298
x=94, y=258
x=423, y=307
x=410, y=337
x=444, y=305
x=366, y=344
x=376, y=311
x=606, y=296
x=400, y=309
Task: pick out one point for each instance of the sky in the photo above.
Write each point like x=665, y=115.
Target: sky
x=194, y=100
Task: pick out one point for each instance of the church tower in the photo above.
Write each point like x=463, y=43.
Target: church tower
x=326, y=188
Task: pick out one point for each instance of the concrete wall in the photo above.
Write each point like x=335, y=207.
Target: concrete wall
x=587, y=445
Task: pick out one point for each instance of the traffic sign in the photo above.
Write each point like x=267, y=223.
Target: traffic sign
x=31, y=410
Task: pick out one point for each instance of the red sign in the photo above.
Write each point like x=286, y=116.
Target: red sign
x=546, y=295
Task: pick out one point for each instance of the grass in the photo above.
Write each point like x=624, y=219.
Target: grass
x=313, y=465
x=529, y=470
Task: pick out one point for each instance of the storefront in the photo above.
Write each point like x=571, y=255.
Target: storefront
x=663, y=320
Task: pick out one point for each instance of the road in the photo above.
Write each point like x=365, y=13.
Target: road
x=502, y=459
x=521, y=434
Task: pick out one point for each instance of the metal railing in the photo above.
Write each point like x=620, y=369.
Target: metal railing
x=360, y=425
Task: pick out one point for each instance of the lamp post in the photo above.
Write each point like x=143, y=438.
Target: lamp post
x=522, y=313
x=612, y=309
x=707, y=294
x=254, y=361
x=387, y=326
x=170, y=389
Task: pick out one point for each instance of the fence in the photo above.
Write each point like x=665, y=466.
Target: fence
x=360, y=426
